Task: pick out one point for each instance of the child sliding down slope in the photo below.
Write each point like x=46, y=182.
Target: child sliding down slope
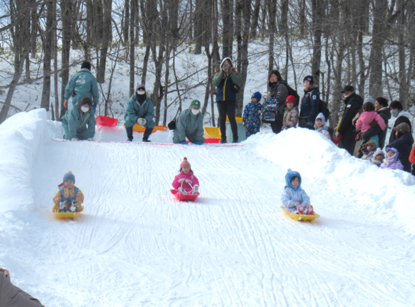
x=294, y=197
x=186, y=182
x=69, y=197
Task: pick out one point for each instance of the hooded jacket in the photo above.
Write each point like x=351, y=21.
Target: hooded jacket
x=323, y=129
x=310, y=103
x=185, y=185
x=82, y=84
x=403, y=145
x=221, y=81
x=403, y=117
x=392, y=162
x=78, y=124
x=291, y=196
x=136, y=110
x=190, y=126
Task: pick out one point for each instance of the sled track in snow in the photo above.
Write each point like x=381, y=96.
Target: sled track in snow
x=137, y=246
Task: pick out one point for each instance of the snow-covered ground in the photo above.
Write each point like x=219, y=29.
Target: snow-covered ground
x=135, y=245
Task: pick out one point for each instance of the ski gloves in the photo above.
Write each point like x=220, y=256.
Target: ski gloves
x=141, y=121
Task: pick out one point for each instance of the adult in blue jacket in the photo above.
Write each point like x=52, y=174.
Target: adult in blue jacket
x=82, y=84
x=190, y=125
x=309, y=104
x=403, y=143
x=79, y=121
x=226, y=97
x=140, y=110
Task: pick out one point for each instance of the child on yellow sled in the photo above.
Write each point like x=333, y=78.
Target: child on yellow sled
x=294, y=198
x=69, y=197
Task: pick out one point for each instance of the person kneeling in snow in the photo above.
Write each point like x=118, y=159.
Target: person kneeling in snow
x=79, y=121
x=320, y=125
x=378, y=157
x=190, y=125
x=186, y=182
x=69, y=197
x=294, y=198
x=391, y=160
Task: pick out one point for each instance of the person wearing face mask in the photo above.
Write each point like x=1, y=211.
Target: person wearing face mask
x=400, y=115
x=190, y=125
x=79, y=121
x=82, y=84
x=353, y=103
x=140, y=110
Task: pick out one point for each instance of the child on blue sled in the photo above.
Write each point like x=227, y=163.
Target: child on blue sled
x=294, y=198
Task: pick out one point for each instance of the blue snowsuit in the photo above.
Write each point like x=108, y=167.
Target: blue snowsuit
x=82, y=84
x=291, y=196
x=252, y=118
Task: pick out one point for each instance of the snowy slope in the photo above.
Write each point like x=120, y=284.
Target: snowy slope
x=136, y=246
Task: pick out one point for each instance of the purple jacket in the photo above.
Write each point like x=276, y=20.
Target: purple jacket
x=393, y=162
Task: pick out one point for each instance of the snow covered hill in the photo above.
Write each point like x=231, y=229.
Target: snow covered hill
x=135, y=245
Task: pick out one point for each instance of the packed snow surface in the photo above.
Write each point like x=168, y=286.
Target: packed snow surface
x=135, y=245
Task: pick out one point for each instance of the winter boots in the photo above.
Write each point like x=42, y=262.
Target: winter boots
x=308, y=211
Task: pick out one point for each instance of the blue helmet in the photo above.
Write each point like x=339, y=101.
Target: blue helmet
x=289, y=176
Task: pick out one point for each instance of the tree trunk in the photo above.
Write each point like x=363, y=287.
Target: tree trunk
x=48, y=41
x=255, y=16
x=272, y=7
x=145, y=65
x=403, y=86
x=134, y=4
x=227, y=30
x=127, y=20
x=106, y=38
x=317, y=7
x=66, y=16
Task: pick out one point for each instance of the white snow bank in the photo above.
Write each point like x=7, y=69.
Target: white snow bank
x=334, y=179
x=20, y=138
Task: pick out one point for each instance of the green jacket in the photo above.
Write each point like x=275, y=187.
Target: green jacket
x=136, y=111
x=83, y=84
x=221, y=81
x=190, y=126
x=78, y=124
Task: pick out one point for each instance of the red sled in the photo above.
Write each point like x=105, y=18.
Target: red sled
x=182, y=197
x=106, y=121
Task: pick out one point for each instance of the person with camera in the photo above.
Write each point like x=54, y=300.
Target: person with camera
x=225, y=81
x=12, y=296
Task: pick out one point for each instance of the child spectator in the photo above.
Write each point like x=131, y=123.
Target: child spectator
x=368, y=150
x=391, y=161
x=186, y=182
x=378, y=157
x=294, y=197
x=320, y=125
x=252, y=115
x=366, y=118
x=69, y=198
x=290, y=118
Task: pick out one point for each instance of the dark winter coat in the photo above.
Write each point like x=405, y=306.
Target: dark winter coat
x=403, y=117
x=279, y=90
x=404, y=146
x=78, y=124
x=221, y=81
x=136, y=110
x=310, y=104
x=346, y=129
x=12, y=296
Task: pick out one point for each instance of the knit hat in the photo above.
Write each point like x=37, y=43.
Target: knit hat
x=288, y=177
x=185, y=163
x=140, y=86
x=402, y=128
x=378, y=152
x=224, y=59
x=69, y=176
x=365, y=145
x=394, y=150
x=86, y=65
x=309, y=78
x=257, y=96
x=369, y=99
x=321, y=116
x=348, y=88
x=292, y=99
x=195, y=104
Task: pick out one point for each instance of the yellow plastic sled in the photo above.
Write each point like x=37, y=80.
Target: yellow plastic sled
x=66, y=215
x=300, y=217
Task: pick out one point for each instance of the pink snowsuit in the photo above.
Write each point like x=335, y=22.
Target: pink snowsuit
x=363, y=123
x=185, y=185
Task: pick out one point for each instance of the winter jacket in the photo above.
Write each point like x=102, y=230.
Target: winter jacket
x=68, y=193
x=403, y=117
x=190, y=126
x=369, y=156
x=363, y=123
x=346, y=129
x=252, y=115
x=185, y=185
x=412, y=156
x=78, y=124
x=12, y=296
x=290, y=118
x=392, y=162
x=403, y=145
x=323, y=129
x=292, y=196
x=310, y=103
x=221, y=81
x=82, y=84
x=279, y=90
x=136, y=110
